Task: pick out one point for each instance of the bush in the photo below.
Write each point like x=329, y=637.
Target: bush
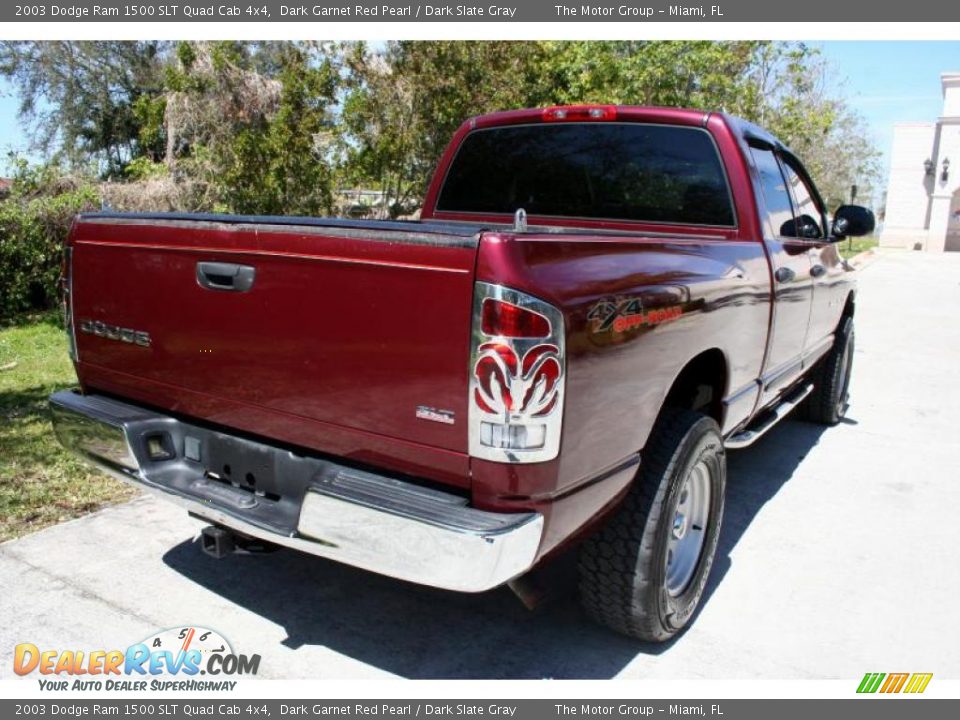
x=155, y=192
x=34, y=221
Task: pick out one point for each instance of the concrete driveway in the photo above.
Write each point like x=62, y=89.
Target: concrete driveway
x=838, y=554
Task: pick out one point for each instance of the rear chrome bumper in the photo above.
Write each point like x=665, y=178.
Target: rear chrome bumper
x=382, y=524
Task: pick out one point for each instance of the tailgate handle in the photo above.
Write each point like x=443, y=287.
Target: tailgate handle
x=225, y=276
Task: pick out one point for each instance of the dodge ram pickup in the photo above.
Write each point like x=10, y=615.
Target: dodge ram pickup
x=596, y=303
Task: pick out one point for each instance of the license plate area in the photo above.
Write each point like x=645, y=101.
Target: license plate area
x=248, y=467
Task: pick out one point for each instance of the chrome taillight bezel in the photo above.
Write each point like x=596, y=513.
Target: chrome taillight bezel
x=66, y=292
x=477, y=415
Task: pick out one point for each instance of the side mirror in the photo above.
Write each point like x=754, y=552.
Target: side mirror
x=852, y=221
x=801, y=227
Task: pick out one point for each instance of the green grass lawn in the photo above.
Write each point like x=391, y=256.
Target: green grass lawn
x=854, y=246
x=40, y=483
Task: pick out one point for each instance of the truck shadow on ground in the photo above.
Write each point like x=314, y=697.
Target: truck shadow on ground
x=418, y=632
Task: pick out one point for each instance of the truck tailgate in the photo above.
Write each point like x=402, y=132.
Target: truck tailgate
x=346, y=330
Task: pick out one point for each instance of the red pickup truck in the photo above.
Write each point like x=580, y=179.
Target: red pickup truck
x=596, y=302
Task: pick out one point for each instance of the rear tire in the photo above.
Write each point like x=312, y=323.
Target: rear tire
x=827, y=404
x=643, y=574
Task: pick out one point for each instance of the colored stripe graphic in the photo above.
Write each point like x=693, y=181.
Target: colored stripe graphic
x=918, y=682
x=894, y=682
x=870, y=682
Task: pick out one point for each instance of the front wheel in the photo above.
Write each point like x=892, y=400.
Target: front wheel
x=827, y=404
x=643, y=574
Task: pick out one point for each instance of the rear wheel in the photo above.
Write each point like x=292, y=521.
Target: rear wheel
x=827, y=404
x=643, y=574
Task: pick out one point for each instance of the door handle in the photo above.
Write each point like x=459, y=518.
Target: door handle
x=225, y=276
x=784, y=274
x=817, y=270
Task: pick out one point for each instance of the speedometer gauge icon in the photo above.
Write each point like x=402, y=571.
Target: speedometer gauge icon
x=183, y=639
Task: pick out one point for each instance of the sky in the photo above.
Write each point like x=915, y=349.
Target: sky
x=891, y=82
x=887, y=82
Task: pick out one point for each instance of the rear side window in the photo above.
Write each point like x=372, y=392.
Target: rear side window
x=809, y=220
x=775, y=193
x=652, y=173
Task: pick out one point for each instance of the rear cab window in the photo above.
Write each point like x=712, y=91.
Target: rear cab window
x=604, y=171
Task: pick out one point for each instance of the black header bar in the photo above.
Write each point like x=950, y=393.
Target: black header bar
x=619, y=11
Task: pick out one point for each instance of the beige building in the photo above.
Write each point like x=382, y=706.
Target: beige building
x=923, y=193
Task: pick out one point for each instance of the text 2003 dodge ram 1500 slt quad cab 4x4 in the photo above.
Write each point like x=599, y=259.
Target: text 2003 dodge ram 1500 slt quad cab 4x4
x=596, y=302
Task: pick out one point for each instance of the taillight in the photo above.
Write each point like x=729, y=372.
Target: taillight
x=502, y=319
x=579, y=113
x=66, y=300
x=517, y=376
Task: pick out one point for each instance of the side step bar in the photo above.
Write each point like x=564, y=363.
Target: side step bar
x=768, y=419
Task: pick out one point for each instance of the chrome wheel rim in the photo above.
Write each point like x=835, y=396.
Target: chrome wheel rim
x=688, y=531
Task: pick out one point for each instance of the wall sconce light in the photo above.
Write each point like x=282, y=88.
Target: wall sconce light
x=945, y=175
x=928, y=167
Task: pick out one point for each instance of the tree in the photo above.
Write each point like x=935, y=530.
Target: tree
x=701, y=74
x=281, y=165
x=88, y=100
x=830, y=138
x=271, y=126
x=249, y=124
x=403, y=104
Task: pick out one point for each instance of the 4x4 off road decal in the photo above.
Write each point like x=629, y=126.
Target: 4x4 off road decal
x=620, y=315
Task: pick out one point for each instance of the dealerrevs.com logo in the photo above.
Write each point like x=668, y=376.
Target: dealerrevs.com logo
x=168, y=660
